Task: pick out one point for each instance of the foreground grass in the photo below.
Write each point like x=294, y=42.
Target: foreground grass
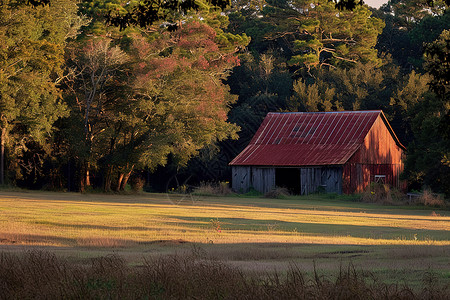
x=397, y=244
x=41, y=275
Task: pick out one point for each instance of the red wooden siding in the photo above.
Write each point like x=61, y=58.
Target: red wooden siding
x=379, y=154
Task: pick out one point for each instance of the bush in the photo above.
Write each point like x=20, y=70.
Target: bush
x=252, y=193
x=138, y=184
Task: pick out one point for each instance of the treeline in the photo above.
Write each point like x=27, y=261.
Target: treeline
x=84, y=104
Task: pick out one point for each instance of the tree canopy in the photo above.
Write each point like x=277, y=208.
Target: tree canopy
x=94, y=94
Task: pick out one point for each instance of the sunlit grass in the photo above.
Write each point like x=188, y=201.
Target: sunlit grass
x=120, y=221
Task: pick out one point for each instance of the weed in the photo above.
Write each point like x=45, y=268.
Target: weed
x=272, y=227
x=215, y=225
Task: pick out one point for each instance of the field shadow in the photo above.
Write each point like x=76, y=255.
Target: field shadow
x=325, y=229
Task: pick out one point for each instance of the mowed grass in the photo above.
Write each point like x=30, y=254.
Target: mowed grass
x=254, y=234
x=74, y=220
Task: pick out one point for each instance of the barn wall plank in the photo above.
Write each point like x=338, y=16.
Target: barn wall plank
x=329, y=178
x=263, y=179
x=332, y=179
x=240, y=181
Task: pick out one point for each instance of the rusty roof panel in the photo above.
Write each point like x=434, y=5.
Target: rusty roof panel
x=307, y=139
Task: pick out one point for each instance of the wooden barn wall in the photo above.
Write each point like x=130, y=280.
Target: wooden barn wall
x=263, y=179
x=240, y=180
x=378, y=155
x=332, y=179
x=329, y=178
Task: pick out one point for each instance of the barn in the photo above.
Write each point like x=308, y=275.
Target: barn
x=307, y=152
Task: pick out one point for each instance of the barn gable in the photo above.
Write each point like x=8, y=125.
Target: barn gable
x=319, y=145
x=379, y=158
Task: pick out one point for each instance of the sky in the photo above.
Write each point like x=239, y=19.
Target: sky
x=375, y=3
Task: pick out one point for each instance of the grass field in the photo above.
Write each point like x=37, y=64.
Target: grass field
x=398, y=244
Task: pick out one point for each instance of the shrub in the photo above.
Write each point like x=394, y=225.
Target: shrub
x=138, y=184
x=252, y=193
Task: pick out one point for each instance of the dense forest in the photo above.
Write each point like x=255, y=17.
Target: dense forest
x=92, y=97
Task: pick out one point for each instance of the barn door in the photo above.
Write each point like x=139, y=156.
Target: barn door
x=288, y=178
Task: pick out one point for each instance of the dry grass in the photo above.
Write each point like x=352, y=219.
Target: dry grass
x=382, y=194
x=213, y=189
x=41, y=275
x=429, y=199
x=277, y=193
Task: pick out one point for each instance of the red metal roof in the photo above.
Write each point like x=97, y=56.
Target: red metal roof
x=308, y=138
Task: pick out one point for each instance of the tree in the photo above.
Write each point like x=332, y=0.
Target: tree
x=142, y=95
x=181, y=103
x=327, y=37
x=437, y=55
x=31, y=56
x=150, y=12
x=410, y=12
x=411, y=91
x=315, y=34
x=428, y=159
x=97, y=88
x=365, y=86
x=263, y=85
x=405, y=40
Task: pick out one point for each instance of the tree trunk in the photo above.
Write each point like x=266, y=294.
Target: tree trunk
x=88, y=178
x=108, y=178
x=119, y=182
x=82, y=182
x=84, y=177
x=2, y=156
x=125, y=178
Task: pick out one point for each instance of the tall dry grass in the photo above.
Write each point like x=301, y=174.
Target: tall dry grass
x=387, y=195
x=42, y=275
x=382, y=194
x=213, y=189
x=278, y=193
x=428, y=198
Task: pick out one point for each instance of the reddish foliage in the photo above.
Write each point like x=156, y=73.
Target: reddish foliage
x=201, y=63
